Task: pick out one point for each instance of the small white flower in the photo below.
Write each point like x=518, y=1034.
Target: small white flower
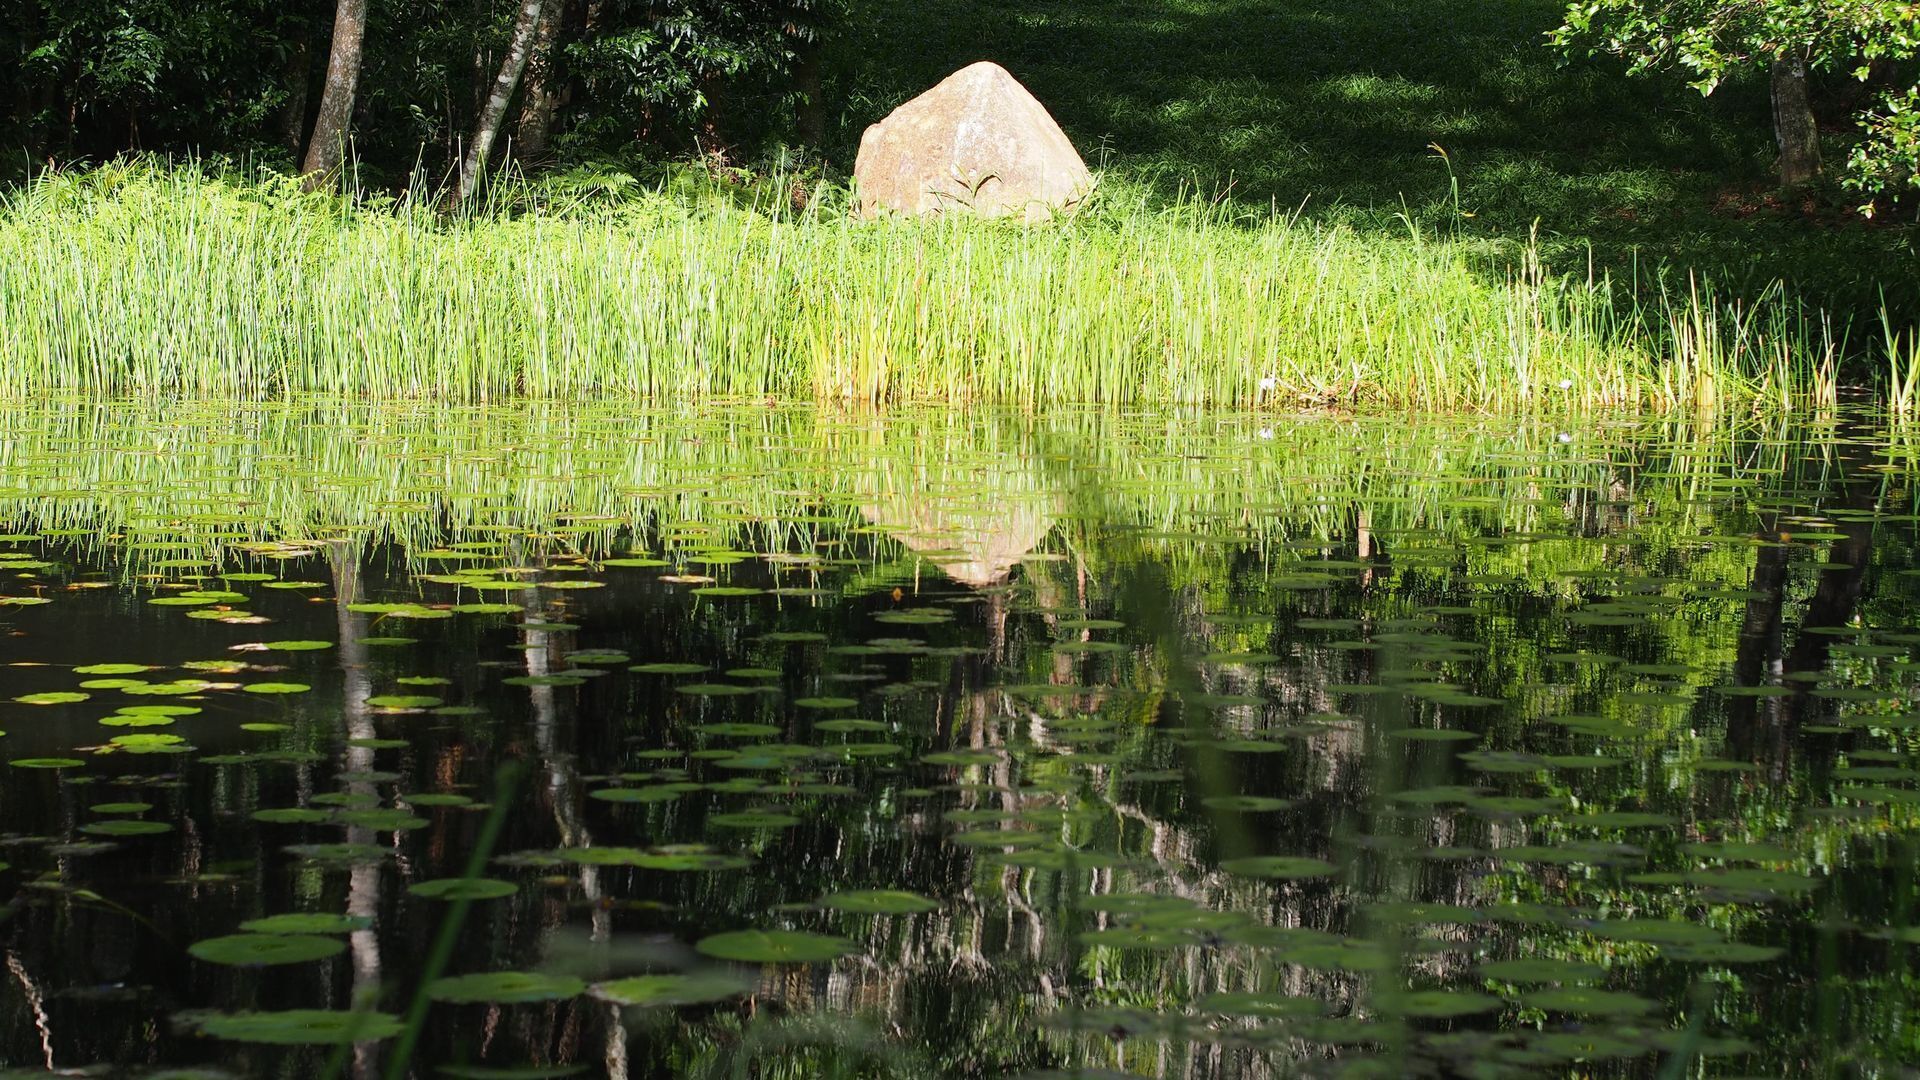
x=1564, y=437
x=1268, y=383
x=1566, y=384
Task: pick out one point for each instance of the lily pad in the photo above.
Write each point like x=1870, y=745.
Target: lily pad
x=300, y=1027
x=463, y=889
x=306, y=923
x=505, y=988
x=654, y=990
x=775, y=947
x=262, y=950
x=878, y=902
x=1278, y=867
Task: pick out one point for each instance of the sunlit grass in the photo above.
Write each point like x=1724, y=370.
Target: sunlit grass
x=150, y=281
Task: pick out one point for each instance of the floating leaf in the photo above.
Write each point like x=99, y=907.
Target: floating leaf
x=1585, y=1001
x=878, y=902
x=668, y=669
x=775, y=947
x=1437, y=1004
x=306, y=923
x=338, y=853
x=291, y=816
x=126, y=827
x=464, y=889
x=1541, y=971
x=505, y=988
x=1278, y=867
x=260, y=950
x=1251, y=804
x=300, y=1027
x=655, y=990
x=53, y=697
x=404, y=701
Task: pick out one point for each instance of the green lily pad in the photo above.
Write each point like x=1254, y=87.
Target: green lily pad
x=1585, y=1001
x=878, y=902
x=464, y=889
x=1438, y=1004
x=404, y=701
x=306, y=923
x=53, y=697
x=1540, y=970
x=1278, y=867
x=300, y=1027
x=261, y=950
x=654, y=990
x=383, y=820
x=505, y=988
x=775, y=947
x=1246, y=804
x=126, y=827
x=292, y=815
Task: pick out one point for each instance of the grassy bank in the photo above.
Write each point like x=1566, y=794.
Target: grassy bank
x=1337, y=106
x=133, y=280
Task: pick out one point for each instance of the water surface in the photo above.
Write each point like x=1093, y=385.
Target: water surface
x=786, y=744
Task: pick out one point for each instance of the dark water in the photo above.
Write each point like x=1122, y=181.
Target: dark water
x=1197, y=746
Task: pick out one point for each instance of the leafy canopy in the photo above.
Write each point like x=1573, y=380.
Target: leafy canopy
x=1716, y=40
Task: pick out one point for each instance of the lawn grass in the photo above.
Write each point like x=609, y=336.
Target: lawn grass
x=1338, y=106
x=131, y=279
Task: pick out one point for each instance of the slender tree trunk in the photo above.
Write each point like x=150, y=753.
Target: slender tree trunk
x=540, y=97
x=293, y=117
x=494, y=111
x=327, y=148
x=1793, y=124
x=26, y=109
x=812, y=118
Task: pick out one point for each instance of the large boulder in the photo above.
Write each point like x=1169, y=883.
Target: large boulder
x=978, y=141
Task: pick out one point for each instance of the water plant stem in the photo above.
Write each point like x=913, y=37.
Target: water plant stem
x=506, y=780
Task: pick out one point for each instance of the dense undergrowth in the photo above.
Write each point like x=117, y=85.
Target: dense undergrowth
x=140, y=279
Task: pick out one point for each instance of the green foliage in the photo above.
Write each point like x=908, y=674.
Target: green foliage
x=94, y=78
x=94, y=75
x=1712, y=41
x=661, y=63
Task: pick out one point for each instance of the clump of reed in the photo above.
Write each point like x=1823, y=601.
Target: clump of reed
x=148, y=280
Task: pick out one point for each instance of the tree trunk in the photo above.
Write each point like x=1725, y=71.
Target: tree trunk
x=494, y=111
x=327, y=148
x=293, y=116
x=26, y=116
x=812, y=117
x=1793, y=124
x=541, y=96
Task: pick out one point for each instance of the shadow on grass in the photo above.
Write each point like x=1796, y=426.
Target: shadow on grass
x=1337, y=106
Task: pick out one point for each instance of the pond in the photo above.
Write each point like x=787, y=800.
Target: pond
x=545, y=741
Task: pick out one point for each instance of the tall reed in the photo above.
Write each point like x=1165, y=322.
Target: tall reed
x=142, y=280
